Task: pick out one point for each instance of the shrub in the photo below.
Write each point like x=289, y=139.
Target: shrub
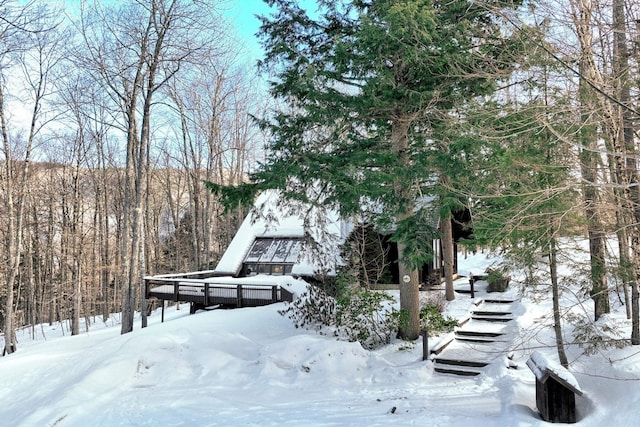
x=356, y=315
x=362, y=315
x=432, y=305
x=435, y=299
x=367, y=317
x=313, y=309
x=497, y=280
x=434, y=322
x=594, y=337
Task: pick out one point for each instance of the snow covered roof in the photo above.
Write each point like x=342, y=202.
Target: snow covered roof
x=543, y=369
x=270, y=218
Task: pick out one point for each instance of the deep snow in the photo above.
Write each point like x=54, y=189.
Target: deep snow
x=252, y=367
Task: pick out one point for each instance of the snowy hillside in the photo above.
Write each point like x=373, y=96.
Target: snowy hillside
x=252, y=367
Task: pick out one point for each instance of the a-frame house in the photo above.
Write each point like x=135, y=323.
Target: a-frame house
x=276, y=242
x=273, y=247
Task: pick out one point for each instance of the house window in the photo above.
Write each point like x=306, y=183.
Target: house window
x=274, y=256
x=250, y=269
x=274, y=251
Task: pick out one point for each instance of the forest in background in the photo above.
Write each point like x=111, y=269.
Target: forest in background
x=112, y=115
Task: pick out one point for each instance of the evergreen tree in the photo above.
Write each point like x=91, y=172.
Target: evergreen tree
x=525, y=195
x=523, y=180
x=366, y=87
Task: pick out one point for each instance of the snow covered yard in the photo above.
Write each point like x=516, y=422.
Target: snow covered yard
x=252, y=367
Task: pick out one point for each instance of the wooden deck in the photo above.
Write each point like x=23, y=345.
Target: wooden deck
x=203, y=290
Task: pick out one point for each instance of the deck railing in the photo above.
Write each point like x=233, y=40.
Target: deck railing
x=208, y=292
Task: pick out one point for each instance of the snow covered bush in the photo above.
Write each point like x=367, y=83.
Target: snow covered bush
x=355, y=315
x=434, y=322
x=313, y=309
x=434, y=299
x=432, y=304
x=497, y=280
x=367, y=317
x=594, y=337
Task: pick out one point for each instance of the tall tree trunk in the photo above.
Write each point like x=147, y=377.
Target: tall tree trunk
x=555, y=289
x=635, y=304
x=409, y=276
x=18, y=181
x=589, y=161
x=76, y=237
x=11, y=240
x=621, y=70
x=622, y=208
x=144, y=252
x=161, y=19
x=102, y=229
x=447, y=256
x=128, y=250
x=409, y=298
x=132, y=212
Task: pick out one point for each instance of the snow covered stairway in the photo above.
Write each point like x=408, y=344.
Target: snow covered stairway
x=479, y=341
x=481, y=331
x=458, y=367
x=493, y=310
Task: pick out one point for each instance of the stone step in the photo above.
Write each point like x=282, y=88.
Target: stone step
x=491, y=312
x=489, y=318
x=498, y=300
x=496, y=306
x=472, y=333
x=481, y=314
x=479, y=339
x=460, y=362
x=461, y=371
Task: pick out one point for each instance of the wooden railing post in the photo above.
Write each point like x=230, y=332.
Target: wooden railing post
x=425, y=344
x=274, y=293
x=206, y=294
x=239, y=296
x=176, y=292
x=472, y=282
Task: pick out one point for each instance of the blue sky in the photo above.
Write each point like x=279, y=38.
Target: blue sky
x=242, y=13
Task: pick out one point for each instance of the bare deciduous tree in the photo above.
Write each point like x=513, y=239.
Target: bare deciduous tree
x=27, y=45
x=134, y=51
